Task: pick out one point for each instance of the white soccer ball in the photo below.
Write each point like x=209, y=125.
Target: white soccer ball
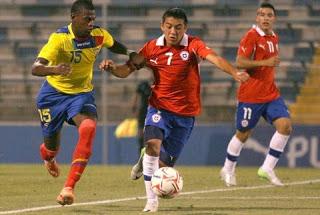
x=166, y=182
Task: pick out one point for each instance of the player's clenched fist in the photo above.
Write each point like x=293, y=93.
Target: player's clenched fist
x=242, y=76
x=107, y=65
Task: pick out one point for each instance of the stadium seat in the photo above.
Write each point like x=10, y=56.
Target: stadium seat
x=27, y=52
x=303, y=53
x=287, y=35
x=230, y=53
x=226, y=11
x=126, y=11
x=3, y=34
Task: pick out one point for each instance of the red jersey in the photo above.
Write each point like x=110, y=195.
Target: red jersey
x=176, y=74
x=260, y=87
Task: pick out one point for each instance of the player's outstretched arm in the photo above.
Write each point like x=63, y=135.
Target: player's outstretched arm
x=120, y=71
x=40, y=68
x=225, y=66
x=246, y=63
x=137, y=60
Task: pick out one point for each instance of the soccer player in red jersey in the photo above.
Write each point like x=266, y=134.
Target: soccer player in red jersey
x=175, y=97
x=259, y=97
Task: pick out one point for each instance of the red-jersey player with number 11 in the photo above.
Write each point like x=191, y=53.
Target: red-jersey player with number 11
x=259, y=97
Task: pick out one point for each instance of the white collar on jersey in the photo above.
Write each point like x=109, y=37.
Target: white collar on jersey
x=183, y=42
x=261, y=32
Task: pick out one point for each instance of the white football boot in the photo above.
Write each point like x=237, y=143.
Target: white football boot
x=151, y=206
x=229, y=178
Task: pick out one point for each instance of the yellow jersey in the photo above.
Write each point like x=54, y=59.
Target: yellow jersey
x=63, y=47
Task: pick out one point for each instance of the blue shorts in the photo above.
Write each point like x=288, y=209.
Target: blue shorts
x=176, y=132
x=248, y=114
x=55, y=107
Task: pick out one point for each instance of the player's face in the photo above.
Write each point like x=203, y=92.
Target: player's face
x=82, y=23
x=265, y=19
x=173, y=30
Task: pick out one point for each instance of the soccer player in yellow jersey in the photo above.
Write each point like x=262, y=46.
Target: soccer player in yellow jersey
x=67, y=93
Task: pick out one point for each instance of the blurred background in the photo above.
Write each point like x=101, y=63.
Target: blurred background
x=25, y=26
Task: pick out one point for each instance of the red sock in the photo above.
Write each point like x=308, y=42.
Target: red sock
x=82, y=152
x=47, y=154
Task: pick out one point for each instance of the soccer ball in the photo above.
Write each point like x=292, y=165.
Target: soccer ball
x=166, y=182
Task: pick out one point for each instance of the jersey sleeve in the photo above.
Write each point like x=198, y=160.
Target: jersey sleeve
x=51, y=49
x=145, y=50
x=201, y=49
x=108, y=40
x=247, y=46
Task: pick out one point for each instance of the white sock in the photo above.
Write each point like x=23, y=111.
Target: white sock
x=234, y=149
x=277, y=144
x=150, y=165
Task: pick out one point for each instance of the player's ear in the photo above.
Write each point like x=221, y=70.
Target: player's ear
x=162, y=26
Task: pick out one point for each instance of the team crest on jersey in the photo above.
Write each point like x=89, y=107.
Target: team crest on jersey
x=244, y=123
x=156, y=117
x=184, y=55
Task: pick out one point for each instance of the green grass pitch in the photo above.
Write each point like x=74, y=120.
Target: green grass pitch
x=29, y=189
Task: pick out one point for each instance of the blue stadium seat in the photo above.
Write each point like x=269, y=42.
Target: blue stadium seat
x=282, y=12
x=226, y=11
x=289, y=35
x=40, y=10
x=199, y=32
x=27, y=52
x=3, y=33
x=206, y=75
x=314, y=12
x=55, y=2
x=289, y=92
x=303, y=53
x=296, y=75
x=238, y=2
x=230, y=53
x=114, y=31
x=152, y=33
x=126, y=11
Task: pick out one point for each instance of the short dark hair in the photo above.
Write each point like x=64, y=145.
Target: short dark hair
x=268, y=5
x=177, y=13
x=78, y=5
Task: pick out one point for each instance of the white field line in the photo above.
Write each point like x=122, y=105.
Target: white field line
x=256, y=198
x=143, y=197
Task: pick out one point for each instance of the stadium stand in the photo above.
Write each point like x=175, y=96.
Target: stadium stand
x=306, y=109
x=26, y=24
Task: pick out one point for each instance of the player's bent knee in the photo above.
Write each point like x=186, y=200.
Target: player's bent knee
x=284, y=126
x=243, y=135
x=285, y=130
x=153, y=147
